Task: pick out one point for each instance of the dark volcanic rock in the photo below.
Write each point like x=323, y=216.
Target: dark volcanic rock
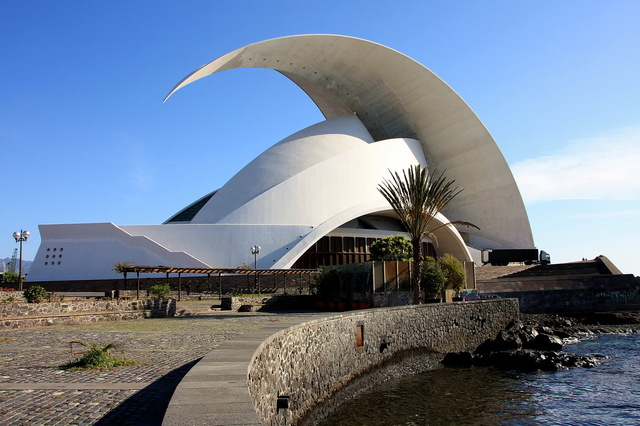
x=458, y=359
x=525, y=348
x=530, y=360
x=527, y=334
x=546, y=342
x=506, y=340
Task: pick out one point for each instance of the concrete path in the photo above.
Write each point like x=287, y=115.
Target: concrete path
x=34, y=390
x=214, y=391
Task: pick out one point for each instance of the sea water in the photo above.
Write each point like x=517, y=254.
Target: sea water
x=607, y=394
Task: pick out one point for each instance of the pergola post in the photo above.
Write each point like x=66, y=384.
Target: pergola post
x=168, y=280
x=137, y=285
x=179, y=286
x=220, y=285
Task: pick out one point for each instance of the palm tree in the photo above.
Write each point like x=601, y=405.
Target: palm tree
x=417, y=196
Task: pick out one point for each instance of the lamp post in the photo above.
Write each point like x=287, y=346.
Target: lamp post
x=20, y=237
x=254, y=251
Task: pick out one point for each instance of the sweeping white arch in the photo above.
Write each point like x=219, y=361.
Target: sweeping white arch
x=397, y=97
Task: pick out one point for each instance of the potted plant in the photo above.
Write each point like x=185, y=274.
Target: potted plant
x=453, y=271
x=432, y=280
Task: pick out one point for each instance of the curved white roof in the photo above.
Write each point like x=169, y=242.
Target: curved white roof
x=313, y=182
x=396, y=97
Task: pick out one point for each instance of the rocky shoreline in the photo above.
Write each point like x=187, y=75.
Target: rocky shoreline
x=576, y=325
x=535, y=343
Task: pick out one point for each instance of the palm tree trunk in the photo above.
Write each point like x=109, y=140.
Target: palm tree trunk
x=417, y=270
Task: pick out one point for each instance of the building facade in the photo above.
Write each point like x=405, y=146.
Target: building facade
x=312, y=199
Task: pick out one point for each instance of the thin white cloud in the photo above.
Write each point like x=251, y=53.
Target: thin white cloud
x=605, y=167
x=139, y=173
x=622, y=214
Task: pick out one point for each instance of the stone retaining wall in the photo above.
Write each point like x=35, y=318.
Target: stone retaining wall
x=15, y=296
x=17, y=315
x=295, y=369
x=567, y=294
x=75, y=307
x=27, y=322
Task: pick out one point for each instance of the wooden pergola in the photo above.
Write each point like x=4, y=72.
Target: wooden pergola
x=167, y=270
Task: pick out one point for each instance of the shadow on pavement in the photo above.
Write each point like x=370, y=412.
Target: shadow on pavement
x=147, y=406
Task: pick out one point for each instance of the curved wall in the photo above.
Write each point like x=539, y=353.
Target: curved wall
x=307, y=364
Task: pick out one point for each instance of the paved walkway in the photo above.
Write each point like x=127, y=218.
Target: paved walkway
x=214, y=391
x=33, y=390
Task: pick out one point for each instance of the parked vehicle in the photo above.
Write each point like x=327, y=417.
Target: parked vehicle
x=502, y=257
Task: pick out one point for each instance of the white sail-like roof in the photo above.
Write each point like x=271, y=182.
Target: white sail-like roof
x=397, y=97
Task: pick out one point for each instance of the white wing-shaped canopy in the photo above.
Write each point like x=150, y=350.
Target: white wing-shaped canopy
x=397, y=97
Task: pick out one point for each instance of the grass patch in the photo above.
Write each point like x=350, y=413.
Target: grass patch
x=97, y=357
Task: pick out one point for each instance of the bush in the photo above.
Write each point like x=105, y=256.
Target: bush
x=35, y=294
x=433, y=278
x=453, y=271
x=394, y=247
x=160, y=290
x=331, y=283
x=97, y=357
x=9, y=277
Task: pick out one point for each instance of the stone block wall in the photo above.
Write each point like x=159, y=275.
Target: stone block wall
x=20, y=315
x=14, y=296
x=295, y=369
x=92, y=317
x=62, y=308
x=567, y=294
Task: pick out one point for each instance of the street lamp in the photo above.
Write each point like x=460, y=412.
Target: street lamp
x=254, y=251
x=20, y=237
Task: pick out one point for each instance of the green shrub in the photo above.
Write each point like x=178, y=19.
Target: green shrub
x=160, y=290
x=331, y=283
x=394, y=247
x=35, y=294
x=97, y=357
x=433, y=279
x=453, y=271
x=9, y=277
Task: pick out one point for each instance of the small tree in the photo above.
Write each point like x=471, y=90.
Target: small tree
x=391, y=248
x=433, y=279
x=122, y=268
x=160, y=291
x=35, y=294
x=417, y=196
x=453, y=271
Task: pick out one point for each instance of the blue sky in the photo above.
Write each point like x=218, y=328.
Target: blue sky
x=85, y=136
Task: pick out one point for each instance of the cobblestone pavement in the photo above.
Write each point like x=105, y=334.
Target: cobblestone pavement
x=34, y=390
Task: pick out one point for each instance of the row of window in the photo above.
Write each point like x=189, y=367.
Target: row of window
x=51, y=256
